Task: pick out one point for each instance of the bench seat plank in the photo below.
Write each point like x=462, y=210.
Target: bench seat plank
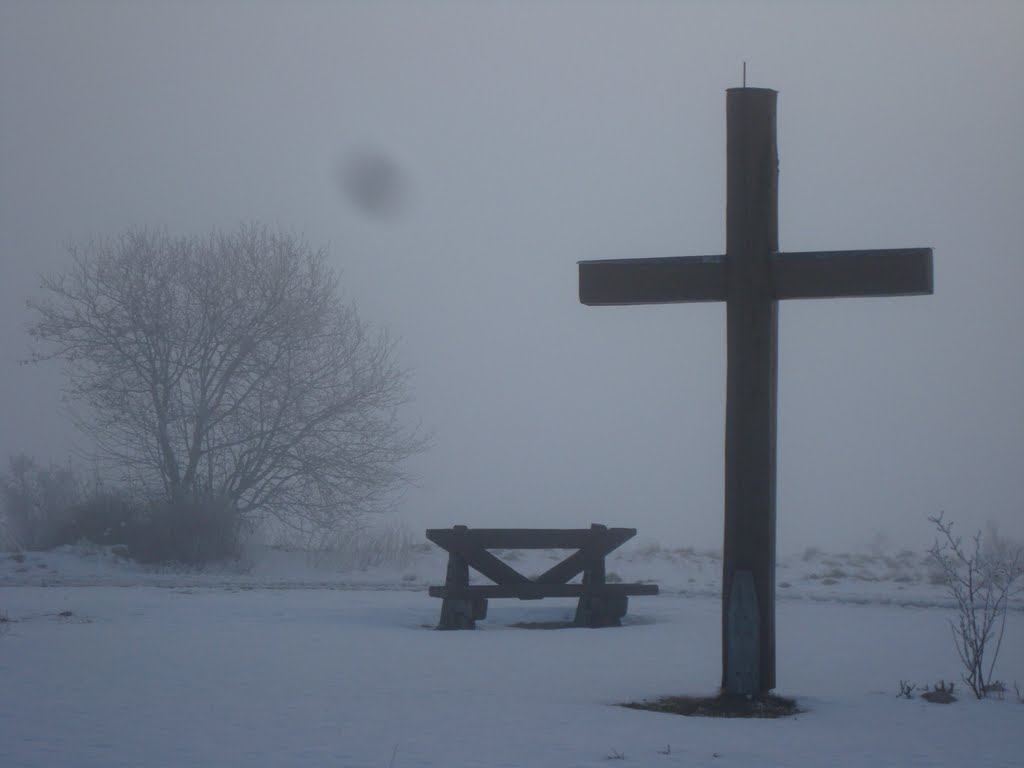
x=535, y=591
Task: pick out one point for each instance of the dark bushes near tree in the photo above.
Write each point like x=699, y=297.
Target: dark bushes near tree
x=47, y=507
x=35, y=502
x=196, y=532
x=201, y=530
x=100, y=516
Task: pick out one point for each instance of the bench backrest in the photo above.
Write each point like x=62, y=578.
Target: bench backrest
x=531, y=538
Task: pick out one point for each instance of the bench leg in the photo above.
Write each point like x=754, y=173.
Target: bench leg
x=597, y=608
x=596, y=611
x=460, y=614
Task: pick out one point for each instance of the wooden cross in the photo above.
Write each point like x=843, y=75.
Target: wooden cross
x=751, y=278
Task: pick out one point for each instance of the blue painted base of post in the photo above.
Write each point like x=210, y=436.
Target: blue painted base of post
x=742, y=642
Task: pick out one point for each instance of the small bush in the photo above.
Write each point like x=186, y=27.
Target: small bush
x=104, y=517
x=35, y=501
x=811, y=553
x=196, y=531
x=43, y=508
x=648, y=551
x=942, y=693
x=996, y=688
x=980, y=577
x=362, y=547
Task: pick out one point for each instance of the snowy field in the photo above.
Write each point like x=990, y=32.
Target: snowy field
x=284, y=661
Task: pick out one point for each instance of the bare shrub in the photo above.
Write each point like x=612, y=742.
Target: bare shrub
x=997, y=689
x=362, y=547
x=9, y=542
x=906, y=690
x=980, y=577
x=648, y=550
x=811, y=553
x=36, y=501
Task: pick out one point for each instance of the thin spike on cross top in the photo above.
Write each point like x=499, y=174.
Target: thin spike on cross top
x=751, y=278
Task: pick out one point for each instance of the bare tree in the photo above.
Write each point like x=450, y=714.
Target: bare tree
x=980, y=578
x=229, y=367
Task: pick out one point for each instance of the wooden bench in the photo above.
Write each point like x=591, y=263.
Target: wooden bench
x=600, y=604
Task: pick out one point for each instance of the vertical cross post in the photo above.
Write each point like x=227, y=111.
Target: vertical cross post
x=751, y=376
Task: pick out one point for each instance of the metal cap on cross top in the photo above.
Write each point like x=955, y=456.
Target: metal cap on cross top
x=751, y=278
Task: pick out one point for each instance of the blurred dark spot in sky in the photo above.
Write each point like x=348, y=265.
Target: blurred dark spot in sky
x=373, y=183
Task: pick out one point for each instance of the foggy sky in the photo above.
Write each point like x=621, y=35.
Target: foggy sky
x=521, y=137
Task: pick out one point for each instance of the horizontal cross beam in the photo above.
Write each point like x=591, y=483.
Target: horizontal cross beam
x=652, y=281
x=802, y=275
x=892, y=272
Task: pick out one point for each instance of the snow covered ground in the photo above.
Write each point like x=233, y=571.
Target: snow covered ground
x=284, y=661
